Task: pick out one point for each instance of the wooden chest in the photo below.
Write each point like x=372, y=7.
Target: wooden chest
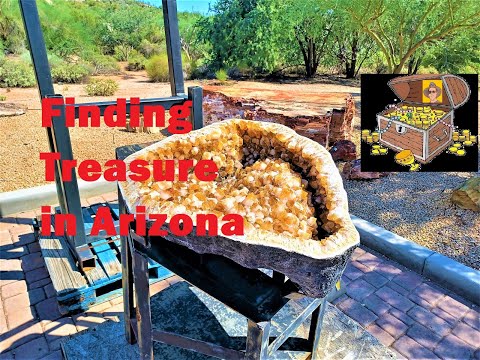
x=423, y=121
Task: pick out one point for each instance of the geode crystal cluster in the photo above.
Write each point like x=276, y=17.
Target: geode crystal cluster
x=286, y=187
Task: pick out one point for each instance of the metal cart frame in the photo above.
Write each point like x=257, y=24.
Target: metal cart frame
x=58, y=133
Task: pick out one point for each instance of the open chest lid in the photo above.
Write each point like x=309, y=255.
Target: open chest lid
x=445, y=90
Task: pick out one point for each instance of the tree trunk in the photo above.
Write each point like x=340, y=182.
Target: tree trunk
x=353, y=59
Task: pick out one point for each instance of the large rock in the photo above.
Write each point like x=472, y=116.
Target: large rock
x=341, y=124
x=7, y=109
x=314, y=130
x=343, y=150
x=467, y=196
x=352, y=171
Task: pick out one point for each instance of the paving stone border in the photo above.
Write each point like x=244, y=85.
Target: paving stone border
x=445, y=271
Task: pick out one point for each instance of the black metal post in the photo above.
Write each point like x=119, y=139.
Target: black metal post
x=58, y=135
x=174, y=52
x=195, y=94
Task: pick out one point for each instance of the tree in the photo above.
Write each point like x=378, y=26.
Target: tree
x=400, y=28
x=244, y=32
x=458, y=54
x=352, y=46
x=312, y=23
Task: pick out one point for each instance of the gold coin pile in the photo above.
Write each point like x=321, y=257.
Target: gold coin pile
x=461, y=140
x=418, y=116
x=378, y=150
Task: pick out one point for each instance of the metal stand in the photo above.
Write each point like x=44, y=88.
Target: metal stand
x=259, y=306
x=58, y=134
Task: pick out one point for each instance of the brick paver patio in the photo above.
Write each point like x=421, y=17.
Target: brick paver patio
x=413, y=316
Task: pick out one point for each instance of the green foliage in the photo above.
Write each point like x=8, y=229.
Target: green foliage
x=101, y=87
x=148, y=49
x=11, y=28
x=104, y=65
x=3, y=98
x=458, y=54
x=249, y=31
x=15, y=73
x=157, y=68
x=126, y=27
x=136, y=63
x=221, y=75
x=70, y=73
x=404, y=29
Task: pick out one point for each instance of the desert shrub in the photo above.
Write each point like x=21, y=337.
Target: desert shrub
x=3, y=98
x=101, y=87
x=123, y=52
x=221, y=75
x=54, y=60
x=136, y=63
x=202, y=72
x=15, y=73
x=157, y=68
x=149, y=49
x=104, y=65
x=70, y=73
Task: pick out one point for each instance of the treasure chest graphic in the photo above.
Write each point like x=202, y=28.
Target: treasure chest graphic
x=423, y=121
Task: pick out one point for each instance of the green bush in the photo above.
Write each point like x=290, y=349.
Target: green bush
x=104, y=65
x=149, y=49
x=157, y=68
x=101, y=87
x=136, y=63
x=15, y=73
x=3, y=98
x=70, y=73
x=221, y=75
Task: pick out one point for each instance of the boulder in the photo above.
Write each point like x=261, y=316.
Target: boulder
x=7, y=109
x=467, y=196
x=352, y=171
x=343, y=150
x=315, y=131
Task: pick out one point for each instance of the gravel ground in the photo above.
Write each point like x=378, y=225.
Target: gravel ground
x=416, y=207
x=419, y=208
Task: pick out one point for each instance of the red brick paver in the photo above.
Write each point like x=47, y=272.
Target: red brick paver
x=416, y=318
x=424, y=320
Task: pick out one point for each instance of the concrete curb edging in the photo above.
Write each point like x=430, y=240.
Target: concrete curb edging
x=441, y=269
x=32, y=198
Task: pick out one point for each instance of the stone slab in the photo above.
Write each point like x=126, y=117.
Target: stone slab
x=184, y=309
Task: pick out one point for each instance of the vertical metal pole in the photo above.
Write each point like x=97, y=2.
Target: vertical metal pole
x=195, y=94
x=316, y=329
x=58, y=135
x=144, y=317
x=174, y=52
x=38, y=52
x=127, y=277
x=257, y=340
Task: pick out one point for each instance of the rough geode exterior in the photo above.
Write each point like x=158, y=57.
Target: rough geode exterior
x=314, y=277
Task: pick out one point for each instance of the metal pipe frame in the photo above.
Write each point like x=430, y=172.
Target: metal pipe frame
x=58, y=134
